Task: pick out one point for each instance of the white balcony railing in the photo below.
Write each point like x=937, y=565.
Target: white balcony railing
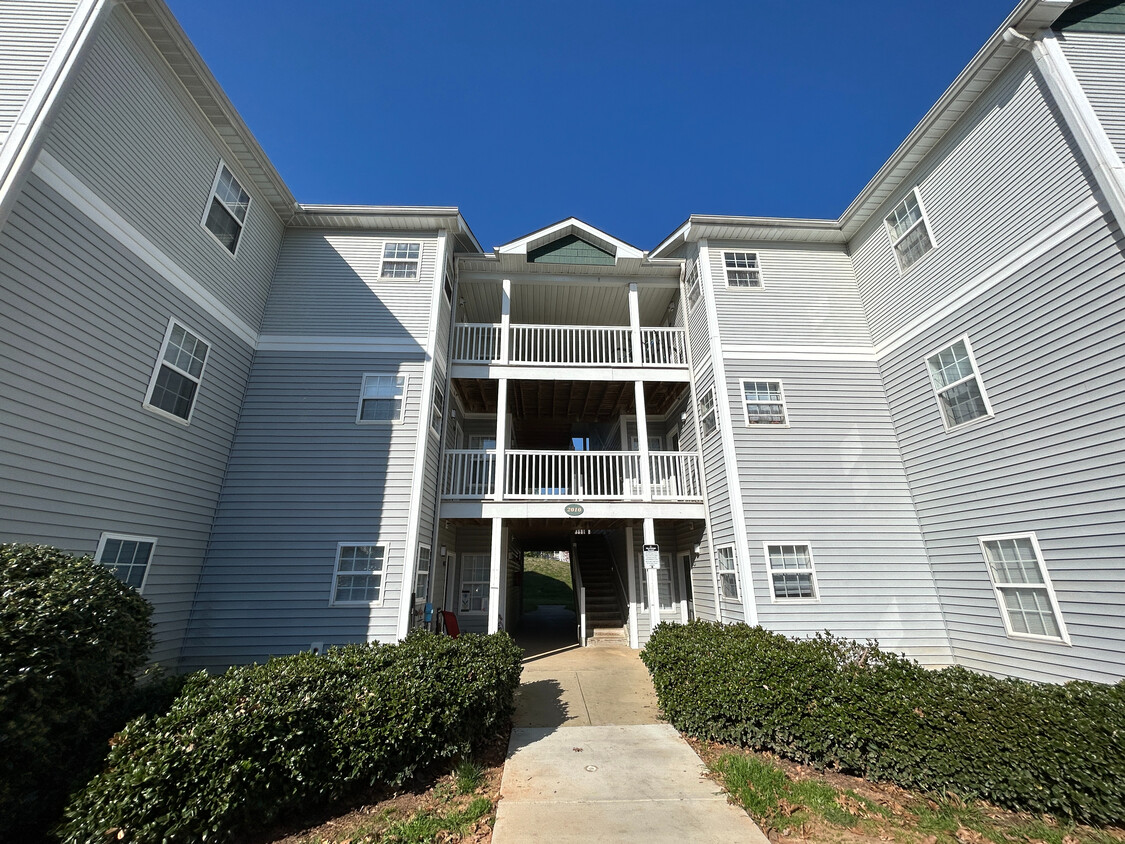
x=574, y=345
x=576, y=475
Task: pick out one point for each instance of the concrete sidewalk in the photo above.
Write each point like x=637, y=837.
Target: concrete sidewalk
x=589, y=759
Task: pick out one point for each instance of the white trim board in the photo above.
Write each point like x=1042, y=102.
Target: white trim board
x=67, y=185
x=744, y=351
x=329, y=343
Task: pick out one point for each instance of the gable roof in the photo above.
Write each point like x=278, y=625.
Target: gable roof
x=570, y=227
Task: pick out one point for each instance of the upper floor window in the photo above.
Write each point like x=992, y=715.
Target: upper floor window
x=708, y=418
x=226, y=209
x=742, y=269
x=127, y=556
x=728, y=573
x=764, y=403
x=1023, y=589
x=695, y=291
x=960, y=394
x=791, y=572
x=437, y=412
x=358, y=578
x=907, y=227
x=178, y=373
x=400, y=260
x=382, y=399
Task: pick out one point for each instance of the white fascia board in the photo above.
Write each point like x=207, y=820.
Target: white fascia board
x=571, y=225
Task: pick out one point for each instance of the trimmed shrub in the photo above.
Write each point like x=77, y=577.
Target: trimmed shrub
x=72, y=638
x=831, y=702
x=241, y=750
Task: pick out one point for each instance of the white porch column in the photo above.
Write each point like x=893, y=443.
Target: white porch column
x=649, y=531
x=635, y=323
x=505, y=321
x=501, y=436
x=642, y=440
x=498, y=571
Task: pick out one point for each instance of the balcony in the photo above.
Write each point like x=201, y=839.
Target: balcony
x=572, y=475
x=571, y=345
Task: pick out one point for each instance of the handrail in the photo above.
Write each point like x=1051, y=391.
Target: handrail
x=572, y=345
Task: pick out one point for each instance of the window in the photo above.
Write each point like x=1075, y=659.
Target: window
x=477, y=442
x=1023, y=590
x=475, y=571
x=764, y=403
x=179, y=370
x=742, y=269
x=708, y=418
x=959, y=392
x=906, y=225
x=728, y=573
x=382, y=398
x=694, y=291
x=359, y=574
x=437, y=412
x=127, y=556
x=448, y=288
x=422, y=578
x=226, y=209
x=791, y=572
x=400, y=260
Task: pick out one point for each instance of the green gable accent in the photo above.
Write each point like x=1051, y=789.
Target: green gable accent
x=1093, y=16
x=570, y=250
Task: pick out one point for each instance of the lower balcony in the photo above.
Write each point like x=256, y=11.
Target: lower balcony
x=572, y=475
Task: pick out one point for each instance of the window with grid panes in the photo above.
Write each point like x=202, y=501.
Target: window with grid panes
x=126, y=556
x=359, y=574
x=1023, y=589
x=791, y=571
x=764, y=403
x=382, y=398
x=400, y=260
x=728, y=572
x=226, y=209
x=475, y=571
x=742, y=269
x=178, y=373
x=708, y=418
x=959, y=391
x=906, y=225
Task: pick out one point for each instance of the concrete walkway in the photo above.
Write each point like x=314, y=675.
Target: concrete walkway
x=589, y=759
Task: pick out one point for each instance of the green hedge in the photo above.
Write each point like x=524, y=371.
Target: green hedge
x=72, y=638
x=834, y=703
x=241, y=750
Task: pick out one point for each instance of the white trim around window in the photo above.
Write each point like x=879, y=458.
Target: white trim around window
x=1023, y=589
x=130, y=557
x=402, y=261
x=382, y=398
x=694, y=290
x=791, y=572
x=763, y=404
x=957, y=385
x=224, y=216
x=726, y=567
x=742, y=270
x=909, y=231
x=708, y=413
x=173, y=387
x=476, y=571
x=422, y=574
x=358, y=575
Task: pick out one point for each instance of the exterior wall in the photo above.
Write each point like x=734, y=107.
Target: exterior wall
x=82, y=328
x=666, y=538
x=128, y=131
x=1098, y=60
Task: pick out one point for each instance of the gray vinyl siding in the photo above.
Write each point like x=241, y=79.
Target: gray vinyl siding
x=327, y=282
x=1005, y=173
x=1049, y=462
x=834, y=479
x=129, y=133
x=1098, y=60
x=82, y=326
x=303, y=476
x=808, y=297
x=666, y=533
x=29, y=32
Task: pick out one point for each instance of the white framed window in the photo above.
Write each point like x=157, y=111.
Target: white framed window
x=1023, y=588
x=729, y=582
x=663, y=582
x=437, y=411
x=959, y=391
x=226, y=209
x=358, y=577
x=448, y=288
x=763, y=403
x=175, y=380
x=791, y=572
x=708, y=417
x=400, y=260
x=909, y=232
x=422, y=578
x=742, y=269
x=127, y=556
x=382, y=398
x=475, y=571
x=694, y=290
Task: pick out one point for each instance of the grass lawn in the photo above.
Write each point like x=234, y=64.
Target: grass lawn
x=546, y=581
x=795, y=803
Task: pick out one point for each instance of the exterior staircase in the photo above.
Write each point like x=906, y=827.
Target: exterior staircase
x=605, y=621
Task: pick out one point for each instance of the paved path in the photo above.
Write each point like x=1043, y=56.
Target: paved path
x=589, y=759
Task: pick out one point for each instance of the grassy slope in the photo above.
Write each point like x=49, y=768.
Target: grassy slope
x=546, y=581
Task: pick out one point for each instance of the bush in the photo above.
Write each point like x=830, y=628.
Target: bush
x=834, y=703
x=72, y=638
x=239, y=751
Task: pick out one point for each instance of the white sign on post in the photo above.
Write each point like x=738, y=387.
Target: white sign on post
x=652, y=556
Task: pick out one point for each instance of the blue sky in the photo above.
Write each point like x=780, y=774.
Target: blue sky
x=629, y=115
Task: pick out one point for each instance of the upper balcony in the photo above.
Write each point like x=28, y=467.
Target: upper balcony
x=568, y=345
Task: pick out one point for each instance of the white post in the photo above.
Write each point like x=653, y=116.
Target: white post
x=650, y=579
x=635, y=323
x=642, y=441
x=505, y=321
x=499, y=565
x=501, y=437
